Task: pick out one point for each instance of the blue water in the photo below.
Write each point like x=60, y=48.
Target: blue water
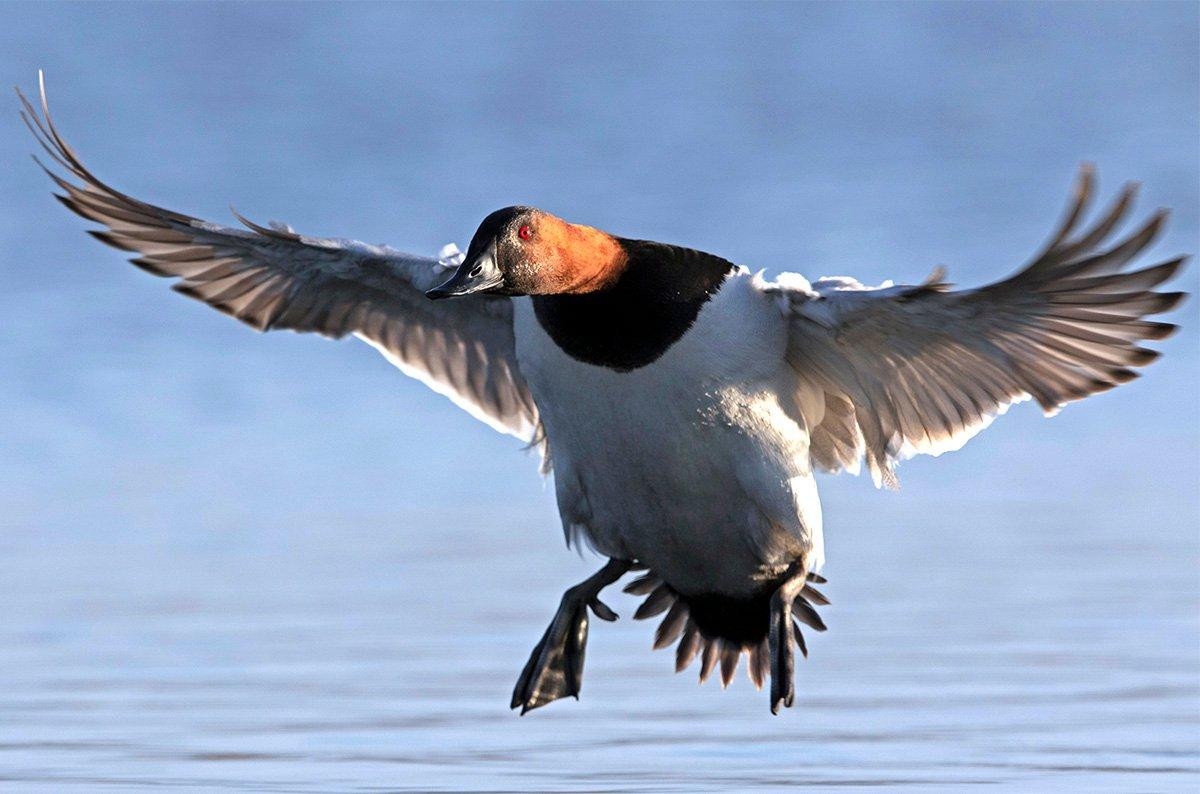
x=273, y=563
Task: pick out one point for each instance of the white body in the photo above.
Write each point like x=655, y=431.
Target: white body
x=699, y=464
x=696, y=464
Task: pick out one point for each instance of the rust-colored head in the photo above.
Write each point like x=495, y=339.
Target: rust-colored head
x=525, y=251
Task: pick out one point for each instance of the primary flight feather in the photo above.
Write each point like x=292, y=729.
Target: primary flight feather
x=684, y=401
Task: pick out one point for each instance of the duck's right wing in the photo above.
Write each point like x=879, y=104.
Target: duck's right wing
x=893, y=371
x=275, y=278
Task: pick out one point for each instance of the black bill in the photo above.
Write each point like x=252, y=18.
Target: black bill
x=480, y=274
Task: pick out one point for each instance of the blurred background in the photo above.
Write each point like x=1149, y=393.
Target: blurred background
x=275, y=563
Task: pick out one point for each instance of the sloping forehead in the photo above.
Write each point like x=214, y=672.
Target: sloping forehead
x=493, y=224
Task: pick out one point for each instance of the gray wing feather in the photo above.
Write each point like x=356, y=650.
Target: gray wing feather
x=272, y=277
x=885, y=373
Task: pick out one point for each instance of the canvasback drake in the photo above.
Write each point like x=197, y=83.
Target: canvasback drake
x=683, y=401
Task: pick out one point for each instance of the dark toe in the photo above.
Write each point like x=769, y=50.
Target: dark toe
x=555, y=668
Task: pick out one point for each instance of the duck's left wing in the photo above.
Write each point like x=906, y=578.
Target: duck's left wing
x=275, y=278
x=888, y=372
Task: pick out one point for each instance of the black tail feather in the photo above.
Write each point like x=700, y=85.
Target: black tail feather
x=719, y=629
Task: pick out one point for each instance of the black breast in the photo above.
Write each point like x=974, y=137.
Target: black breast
x=637, y=319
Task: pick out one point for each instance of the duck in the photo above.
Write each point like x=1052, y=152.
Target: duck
x=682, y=403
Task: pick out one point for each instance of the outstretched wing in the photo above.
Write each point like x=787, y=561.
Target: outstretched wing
x=274, y=278
x=889, y=372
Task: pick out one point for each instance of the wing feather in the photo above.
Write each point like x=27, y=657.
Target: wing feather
x=270, y=277
x=889, y=372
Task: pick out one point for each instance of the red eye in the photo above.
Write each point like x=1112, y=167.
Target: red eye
x=525, y=232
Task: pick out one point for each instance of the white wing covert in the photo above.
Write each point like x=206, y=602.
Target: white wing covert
x=275, y=278
x=889, y=372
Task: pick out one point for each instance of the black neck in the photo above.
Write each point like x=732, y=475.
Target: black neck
x=635, y=320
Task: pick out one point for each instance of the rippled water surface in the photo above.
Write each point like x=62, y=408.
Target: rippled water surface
x=302, y=659
x=272, y=563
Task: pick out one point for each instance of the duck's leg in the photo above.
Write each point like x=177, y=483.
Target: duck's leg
x=555, y=668
x=781, y=637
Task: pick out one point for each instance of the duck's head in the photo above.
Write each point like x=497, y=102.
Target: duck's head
x=525, y=251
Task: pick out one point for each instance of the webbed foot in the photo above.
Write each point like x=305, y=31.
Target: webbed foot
x=555, y=668
x=789, y=606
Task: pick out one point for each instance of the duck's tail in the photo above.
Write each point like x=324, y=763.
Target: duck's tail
x=719, y=629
